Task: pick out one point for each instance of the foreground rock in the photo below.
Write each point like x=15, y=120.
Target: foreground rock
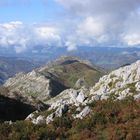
x=119, y=84
x=83, y=113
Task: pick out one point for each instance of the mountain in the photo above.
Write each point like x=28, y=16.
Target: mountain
x=9, y=66
x=120, y=84
x=107, y=110
x=109, y=58
x=50, y=80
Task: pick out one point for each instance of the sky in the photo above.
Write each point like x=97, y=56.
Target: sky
x=26, y=24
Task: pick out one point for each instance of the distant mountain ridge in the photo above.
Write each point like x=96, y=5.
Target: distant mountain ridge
x=108, y=58
x=9, y=66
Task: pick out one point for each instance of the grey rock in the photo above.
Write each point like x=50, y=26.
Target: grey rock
x=61, y=110
x=83, y=113
x=50, y=118
x=81, y=97
x=39, y=120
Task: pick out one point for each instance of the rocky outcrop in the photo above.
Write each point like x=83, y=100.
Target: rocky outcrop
x=119, y=84
x=69, y=97
x=34, y=84
x=40, y=119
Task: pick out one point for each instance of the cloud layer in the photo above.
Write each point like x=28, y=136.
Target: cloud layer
x=22, y=37
x=112, y=21
x=87, y=23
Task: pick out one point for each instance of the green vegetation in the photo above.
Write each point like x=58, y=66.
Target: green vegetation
x=70, y=73
x=109, y=120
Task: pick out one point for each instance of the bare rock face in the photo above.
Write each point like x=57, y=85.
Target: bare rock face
x=119, y=84
x=50, y=118
x=81, y=97
x=69, y=97
x=30, y=117
x=34, y=84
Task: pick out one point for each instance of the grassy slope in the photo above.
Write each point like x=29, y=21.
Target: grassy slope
x=70, y=73
x=109, y=120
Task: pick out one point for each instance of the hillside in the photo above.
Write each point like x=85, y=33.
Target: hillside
x=107, y=110
x=68, y=70
x=50, y=80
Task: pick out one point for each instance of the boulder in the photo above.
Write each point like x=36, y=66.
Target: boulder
x=81, y=97
x=30, y=117
x=61, y=110
x=83, y=113
x=39, y=120
x=50, y=118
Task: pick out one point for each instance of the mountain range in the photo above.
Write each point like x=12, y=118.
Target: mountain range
x=105, y=57
x=71, y=98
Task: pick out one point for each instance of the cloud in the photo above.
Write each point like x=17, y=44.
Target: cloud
x=132, y=39
x=131, y=34
x=85, y=23
x=22, y=37
x=102, y=7
x=104, y=21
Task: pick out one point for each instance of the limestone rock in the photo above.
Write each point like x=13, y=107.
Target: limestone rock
x=50, y=118
x=83, y=113
x=40, y=120
x=61, y=110
x=30, y=117
x=81, y=97
x=120, y=83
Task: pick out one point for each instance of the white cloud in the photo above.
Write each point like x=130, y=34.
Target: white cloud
x=91, y=27
x=132, y=39
x=104, y=21
x=70, y=46
x=87, y=23
x=22, y=37
x=131, y=33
